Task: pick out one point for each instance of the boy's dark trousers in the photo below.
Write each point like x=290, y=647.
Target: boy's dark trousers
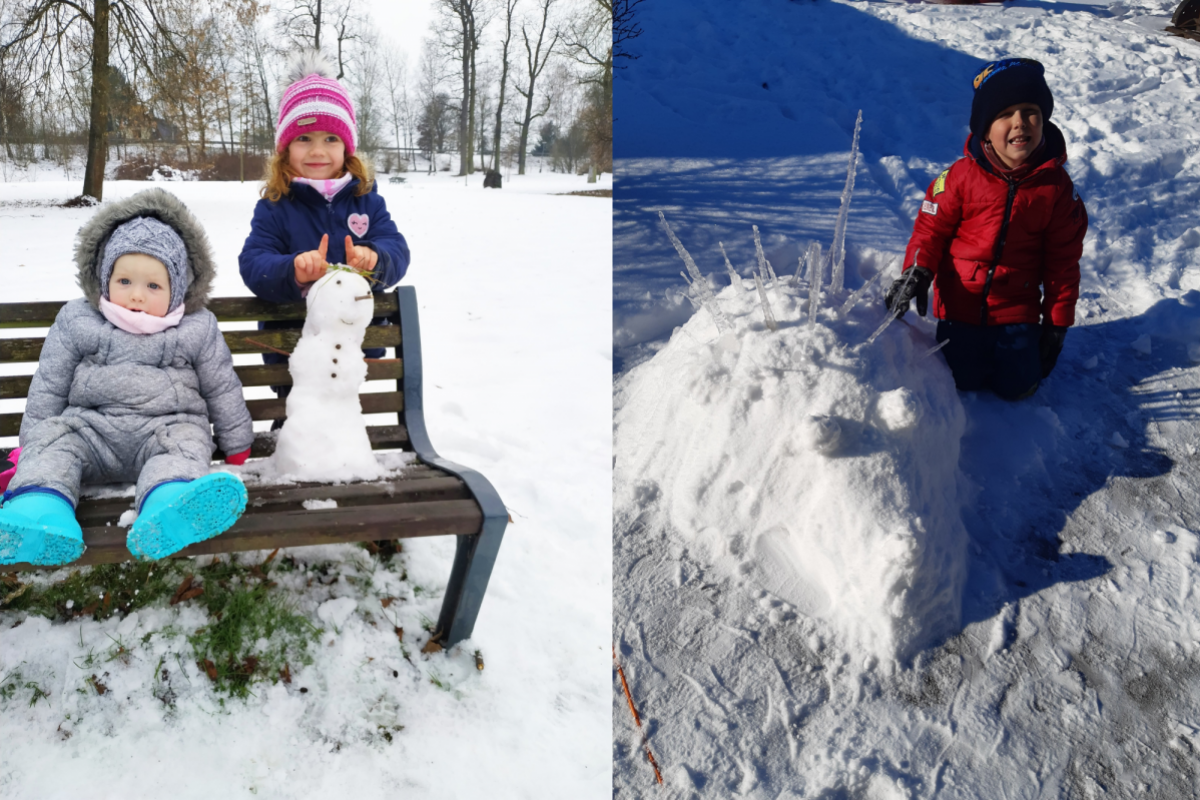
x=1003, y=358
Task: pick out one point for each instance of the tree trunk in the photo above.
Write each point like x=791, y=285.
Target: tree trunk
x=500, y=101
x=525, y=131
x=472, y=47
x=97, y=151
x=464, y=130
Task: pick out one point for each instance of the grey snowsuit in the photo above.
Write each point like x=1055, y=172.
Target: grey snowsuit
x=107, y=405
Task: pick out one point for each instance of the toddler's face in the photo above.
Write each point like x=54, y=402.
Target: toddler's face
x=1016, y=132
x=139, y=283
x=318, y=155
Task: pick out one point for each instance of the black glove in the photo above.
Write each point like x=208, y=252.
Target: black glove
x=913, y=283
x=1050, y=345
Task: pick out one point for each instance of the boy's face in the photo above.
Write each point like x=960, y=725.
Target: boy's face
x=139, y=283
x=1015, y=133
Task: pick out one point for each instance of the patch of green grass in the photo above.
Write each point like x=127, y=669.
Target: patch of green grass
x=100, y=591
x=14, y=682
x=227, y=649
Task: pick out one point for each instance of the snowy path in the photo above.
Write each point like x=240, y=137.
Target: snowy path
x=1078, y=671
x=517, y=386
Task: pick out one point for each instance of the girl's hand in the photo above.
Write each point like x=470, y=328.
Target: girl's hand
x=311, y=266
x=360, y=258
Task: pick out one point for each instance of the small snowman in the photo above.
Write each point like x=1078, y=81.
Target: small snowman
x=325, y=437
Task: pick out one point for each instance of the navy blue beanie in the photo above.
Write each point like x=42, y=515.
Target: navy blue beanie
x=1005, y=83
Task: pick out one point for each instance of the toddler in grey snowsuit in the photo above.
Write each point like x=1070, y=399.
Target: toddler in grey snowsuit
x=129, y=380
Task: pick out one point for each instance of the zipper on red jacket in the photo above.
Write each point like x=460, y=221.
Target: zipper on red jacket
x=998, y=250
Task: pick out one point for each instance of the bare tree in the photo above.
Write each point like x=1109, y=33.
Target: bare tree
x=46, y=31
x=589, y=40
x=625, y=26
x=433, y=104
x=509, y=7
x=537, y=54
x=395, y=77
x=347, y=27
x=460, y=26
x=301, y=23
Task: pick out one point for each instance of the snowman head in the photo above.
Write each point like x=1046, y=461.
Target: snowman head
x=340, y=302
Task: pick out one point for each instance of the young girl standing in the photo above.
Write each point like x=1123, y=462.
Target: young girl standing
x=319, y=203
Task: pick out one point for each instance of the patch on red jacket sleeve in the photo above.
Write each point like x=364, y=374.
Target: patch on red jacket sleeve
x=929, y=208
x=939, y=185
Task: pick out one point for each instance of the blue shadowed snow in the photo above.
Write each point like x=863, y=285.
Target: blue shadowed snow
x=697, y=136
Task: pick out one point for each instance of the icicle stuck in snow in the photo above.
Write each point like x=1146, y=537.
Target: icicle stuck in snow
x=699, y=283
x=763, y=266
x=838, y=251
x=734, y=278
x=934, y=349
x=860, y=291
x=814, y=281
x=766, y=305
x=799, y=276
x=883, y=326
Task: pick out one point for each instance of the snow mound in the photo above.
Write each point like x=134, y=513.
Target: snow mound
x=806, y=463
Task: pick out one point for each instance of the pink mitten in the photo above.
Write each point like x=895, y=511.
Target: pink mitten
x=237, y=459
x=7, y=475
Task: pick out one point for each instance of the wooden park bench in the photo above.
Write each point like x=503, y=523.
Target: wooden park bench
x=433, y=497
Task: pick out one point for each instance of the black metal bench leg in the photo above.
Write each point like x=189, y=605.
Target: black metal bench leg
x=468, y=581
x=476, y=554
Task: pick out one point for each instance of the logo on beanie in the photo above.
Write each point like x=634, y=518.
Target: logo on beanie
x=308, y=121
x=996, y=67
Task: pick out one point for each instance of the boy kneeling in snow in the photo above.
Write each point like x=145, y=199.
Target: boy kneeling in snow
x=999, y=237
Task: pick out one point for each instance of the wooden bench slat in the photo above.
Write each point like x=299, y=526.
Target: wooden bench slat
x=14, y=387
x=271, y=408
x=106, y=545
x=239, y=341
x=417, y=484
x=371, y=403
x=30, y=349
x=278, y=375
x=29, y=315
x=251, y=309
x=227, y=309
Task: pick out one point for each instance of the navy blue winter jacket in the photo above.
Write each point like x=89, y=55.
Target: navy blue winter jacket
x=282, y=230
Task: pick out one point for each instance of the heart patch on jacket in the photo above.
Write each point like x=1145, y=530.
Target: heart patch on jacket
x=358, y=223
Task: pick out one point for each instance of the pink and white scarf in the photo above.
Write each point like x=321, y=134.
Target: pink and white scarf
x=138, y=321
x=328, y=188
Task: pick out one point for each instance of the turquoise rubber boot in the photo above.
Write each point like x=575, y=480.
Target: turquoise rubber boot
x=181, y=513
x=39, y=528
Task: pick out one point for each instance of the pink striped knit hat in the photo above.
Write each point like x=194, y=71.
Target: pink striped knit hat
x=314, y=101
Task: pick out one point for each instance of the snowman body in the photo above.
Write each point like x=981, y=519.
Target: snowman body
x=325, y=437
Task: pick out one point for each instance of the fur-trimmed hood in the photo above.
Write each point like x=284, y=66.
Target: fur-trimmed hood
x=161, y=205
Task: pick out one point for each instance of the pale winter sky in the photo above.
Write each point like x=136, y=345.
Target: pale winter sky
x=404, y=22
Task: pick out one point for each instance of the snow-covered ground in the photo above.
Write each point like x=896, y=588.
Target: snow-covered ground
x=514, y=290
x=1076, y=670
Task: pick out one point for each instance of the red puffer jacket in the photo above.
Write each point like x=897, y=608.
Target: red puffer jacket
x=994, y=243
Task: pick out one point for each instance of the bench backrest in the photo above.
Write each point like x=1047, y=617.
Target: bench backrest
x=233, y=309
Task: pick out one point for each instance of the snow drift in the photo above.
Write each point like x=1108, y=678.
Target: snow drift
x=806, y=462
